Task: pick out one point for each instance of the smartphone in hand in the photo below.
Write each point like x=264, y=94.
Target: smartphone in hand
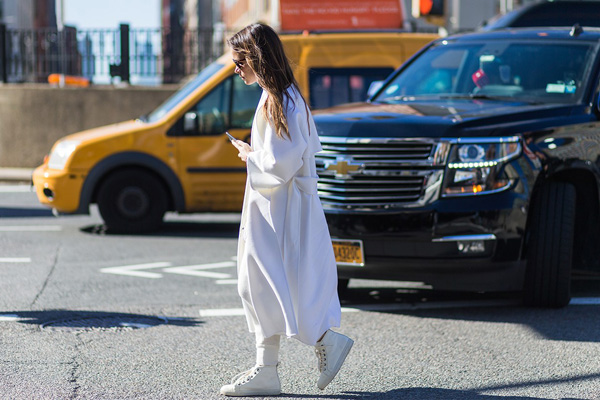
x=230, y=137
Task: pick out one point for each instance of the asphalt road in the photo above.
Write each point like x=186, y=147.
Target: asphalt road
x=86, y=314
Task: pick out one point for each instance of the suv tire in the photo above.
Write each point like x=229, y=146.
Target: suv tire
x=550, y=247
x=132, y=201
x=342, y=287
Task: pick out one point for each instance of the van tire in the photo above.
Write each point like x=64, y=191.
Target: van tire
x=550, y=247
x=132, y=201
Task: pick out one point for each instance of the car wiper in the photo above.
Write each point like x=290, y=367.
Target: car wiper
x=472, y=96
x=476, y=96
x=406, y=98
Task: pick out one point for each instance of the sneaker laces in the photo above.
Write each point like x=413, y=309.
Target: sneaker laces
x=321, y=353
x=244, y=377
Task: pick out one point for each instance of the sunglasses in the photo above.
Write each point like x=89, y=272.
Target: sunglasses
x=239, y=63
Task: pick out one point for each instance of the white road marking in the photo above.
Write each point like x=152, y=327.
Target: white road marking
x=15, y=259
x=193, y=270
x=198, y=270
x=9, y=317
x=133, y=270
x=203, y=274
x=134, y=325
x=232, y=312
x=31, y=228
x=222, y=312
x=226, y=282
x=15, y=189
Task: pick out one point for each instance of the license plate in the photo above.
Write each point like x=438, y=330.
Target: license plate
x=349, y=252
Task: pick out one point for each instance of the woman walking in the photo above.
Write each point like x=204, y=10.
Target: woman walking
x=287, y=275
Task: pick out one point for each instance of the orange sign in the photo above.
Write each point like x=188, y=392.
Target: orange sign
x=299, y=15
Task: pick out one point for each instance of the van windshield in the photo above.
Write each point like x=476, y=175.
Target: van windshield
x=524, y=71
x=182, y=93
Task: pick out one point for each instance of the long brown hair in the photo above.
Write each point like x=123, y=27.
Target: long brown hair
x=261, y=47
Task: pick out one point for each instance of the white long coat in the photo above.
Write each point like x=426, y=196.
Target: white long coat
x=287, y=276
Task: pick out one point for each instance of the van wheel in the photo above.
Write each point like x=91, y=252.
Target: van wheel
x=550, y=247
x=132, y=201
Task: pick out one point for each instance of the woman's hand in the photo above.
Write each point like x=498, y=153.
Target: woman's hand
x=243, y=148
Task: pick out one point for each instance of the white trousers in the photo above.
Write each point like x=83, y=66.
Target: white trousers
x=267, y=349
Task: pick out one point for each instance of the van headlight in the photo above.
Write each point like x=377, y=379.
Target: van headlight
x=61, y=153
x=478, y=166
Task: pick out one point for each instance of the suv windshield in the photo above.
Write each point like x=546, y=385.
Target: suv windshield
x=182, y=93
x=528, y=71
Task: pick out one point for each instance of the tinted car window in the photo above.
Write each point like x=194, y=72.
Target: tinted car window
x=525, y=71
x=333, y=86
x=230, y=105
x=213, y=110
x=185, y=91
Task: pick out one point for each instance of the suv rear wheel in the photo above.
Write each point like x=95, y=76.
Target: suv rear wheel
x=550, y=247
x=132, y=201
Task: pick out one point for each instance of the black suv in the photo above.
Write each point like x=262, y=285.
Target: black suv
x=476, y=166
x=549, y=13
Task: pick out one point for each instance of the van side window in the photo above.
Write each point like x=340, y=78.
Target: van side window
x=212, y=112
x=230, y=105
x=244, y=101
x=333, y=86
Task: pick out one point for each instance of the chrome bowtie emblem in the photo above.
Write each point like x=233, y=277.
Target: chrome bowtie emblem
x=341, y=167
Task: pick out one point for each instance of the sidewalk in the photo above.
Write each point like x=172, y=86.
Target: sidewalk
x=16, y=174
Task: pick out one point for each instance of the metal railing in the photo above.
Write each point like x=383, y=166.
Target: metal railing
x=137, y=56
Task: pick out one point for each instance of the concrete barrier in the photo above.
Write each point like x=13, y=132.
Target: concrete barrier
x=33, y=117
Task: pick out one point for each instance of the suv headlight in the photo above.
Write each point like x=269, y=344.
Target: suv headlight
x=477, y=166
x=61, y=153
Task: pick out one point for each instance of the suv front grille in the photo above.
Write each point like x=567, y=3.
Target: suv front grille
x=377, y=174
x=378, y=151
x=370, y=190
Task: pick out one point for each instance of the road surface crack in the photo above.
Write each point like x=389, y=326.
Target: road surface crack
x=76, y=367
x=54, y=263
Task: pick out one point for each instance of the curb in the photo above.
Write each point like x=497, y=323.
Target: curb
x=16, y=174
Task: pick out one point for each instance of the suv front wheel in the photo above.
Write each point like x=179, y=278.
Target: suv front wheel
x=132, y=201
x=550, y=246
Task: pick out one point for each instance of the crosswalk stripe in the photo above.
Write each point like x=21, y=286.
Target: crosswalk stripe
x=15, y=189
x=31, y=228
x=226, y=282
x=15, y=259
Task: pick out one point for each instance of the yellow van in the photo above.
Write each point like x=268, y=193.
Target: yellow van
x=178, y=158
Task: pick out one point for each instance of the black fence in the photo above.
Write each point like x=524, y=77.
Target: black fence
x=137, y=56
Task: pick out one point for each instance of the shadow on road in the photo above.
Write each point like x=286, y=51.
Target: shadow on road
x=67, y=320
x=578, y=323
x=20, y=212
x=180, y=229
x=572, y=323
x=428, y=393
x=433, y=393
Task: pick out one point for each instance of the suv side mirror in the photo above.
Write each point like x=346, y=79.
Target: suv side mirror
x=190, y=123
x=374, y=87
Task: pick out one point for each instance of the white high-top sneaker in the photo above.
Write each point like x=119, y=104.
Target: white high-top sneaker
x=261, y=380
x=331, y=352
